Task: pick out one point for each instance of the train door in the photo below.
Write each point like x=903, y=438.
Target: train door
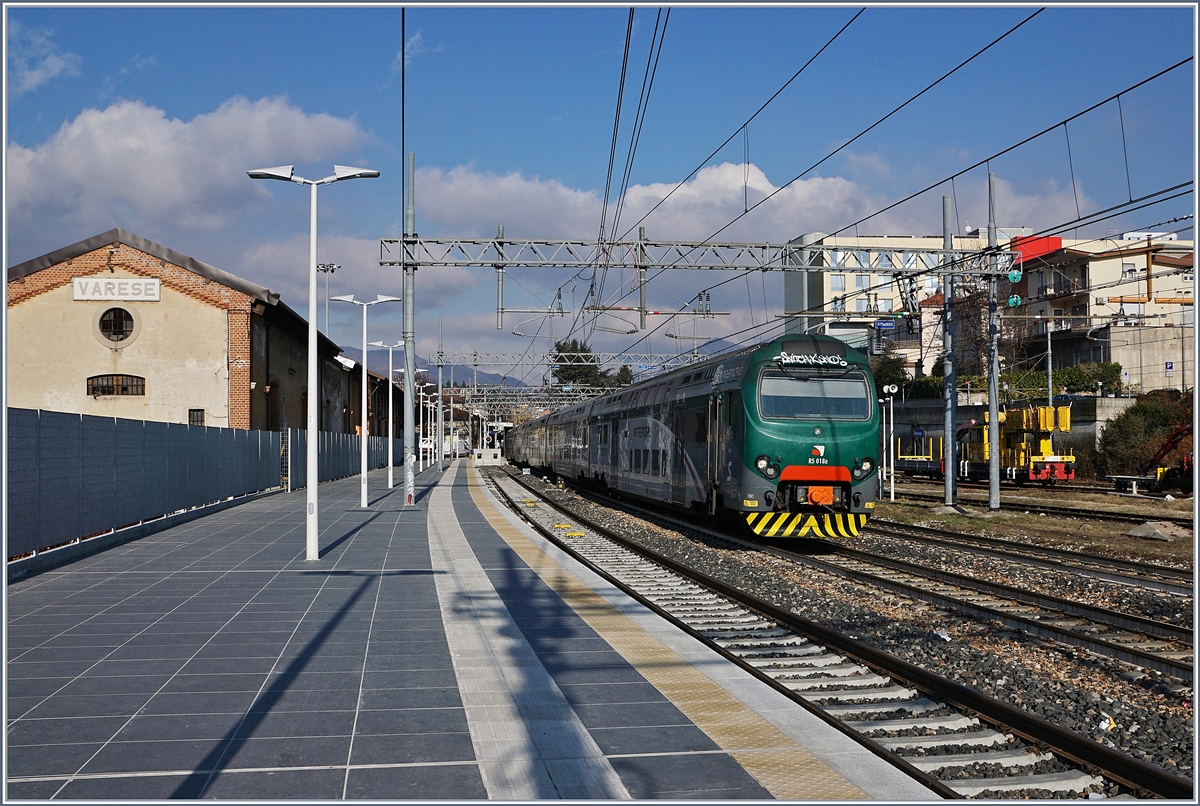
x=678, y=463
x=615, y=446
x=715, y=449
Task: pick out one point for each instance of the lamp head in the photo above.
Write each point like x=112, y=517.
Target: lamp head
x=345, y=172
x=284, y=172
x=344, y=298
x=386, y=298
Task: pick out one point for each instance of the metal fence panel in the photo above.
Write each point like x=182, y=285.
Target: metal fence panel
x=136, y=470
x=97, y=461
x=58, y=477
x=297, y=463
x=157, y=462
x=177, y=467
x=24, y=528
x=72, y=475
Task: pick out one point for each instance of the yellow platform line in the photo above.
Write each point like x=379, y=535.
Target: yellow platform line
x=782, y=767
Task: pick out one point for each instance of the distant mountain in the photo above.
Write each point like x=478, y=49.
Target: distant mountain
x=377, y=361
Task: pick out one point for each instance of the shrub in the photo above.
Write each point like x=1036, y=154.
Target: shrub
x=1130, y=440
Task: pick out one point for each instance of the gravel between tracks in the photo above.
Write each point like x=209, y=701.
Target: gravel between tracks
x=1064, y=584
x=1068, y=686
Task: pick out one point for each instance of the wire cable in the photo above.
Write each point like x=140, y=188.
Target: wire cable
x=738, y=130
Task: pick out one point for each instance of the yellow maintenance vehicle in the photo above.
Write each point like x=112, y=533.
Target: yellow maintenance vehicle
x=1026, y=446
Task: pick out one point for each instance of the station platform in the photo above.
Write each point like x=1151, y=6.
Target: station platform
x=438, y=651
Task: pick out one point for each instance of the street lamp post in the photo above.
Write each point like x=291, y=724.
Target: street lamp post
x=378, y=299
x=287, y=173
x=327, y=269
x=391, y=396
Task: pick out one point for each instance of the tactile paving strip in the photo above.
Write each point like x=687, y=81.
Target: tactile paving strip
x=527, y=739
x=785, y=769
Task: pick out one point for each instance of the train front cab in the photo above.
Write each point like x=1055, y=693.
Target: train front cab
x=811, y=442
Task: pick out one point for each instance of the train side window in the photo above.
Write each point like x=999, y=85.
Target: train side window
x=654, y=463
x=701, y=427
x=664, y=461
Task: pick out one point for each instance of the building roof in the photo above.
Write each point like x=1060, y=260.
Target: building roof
x=171, y=256
x=149, y=247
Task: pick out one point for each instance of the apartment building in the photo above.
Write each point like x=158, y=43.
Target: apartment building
x=880, y=290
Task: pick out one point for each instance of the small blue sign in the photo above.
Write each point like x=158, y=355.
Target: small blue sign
x=918, y=433
x=1170, y=366
x=885, y=324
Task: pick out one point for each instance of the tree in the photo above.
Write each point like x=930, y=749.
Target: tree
x=888, y=367
x=624, y=376
x=574, y=364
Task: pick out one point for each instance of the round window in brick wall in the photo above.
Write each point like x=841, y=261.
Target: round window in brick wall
x=116, y=324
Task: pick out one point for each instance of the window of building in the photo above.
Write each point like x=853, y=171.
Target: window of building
x=885, y=305
x=885, y=283
x=862, y=281
x=931, y=283
x=116, y=324
x=837, y=282
x=195, y=416
x=1128, y=271
x=862, y=305
x=100, y=385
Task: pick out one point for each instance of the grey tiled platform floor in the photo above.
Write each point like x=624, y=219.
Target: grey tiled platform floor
x=419, y=658
x=212, y=660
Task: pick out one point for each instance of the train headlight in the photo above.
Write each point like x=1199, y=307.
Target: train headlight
x=863, y=469
x=771, y=471
x=762, y=463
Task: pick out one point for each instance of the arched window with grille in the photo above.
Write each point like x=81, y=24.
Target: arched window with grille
x=106, y=385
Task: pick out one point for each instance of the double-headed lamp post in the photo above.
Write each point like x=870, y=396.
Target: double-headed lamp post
x=391, y=395
x=287, y=174
x=327, y=269
x=364, y=305
x=889, y=456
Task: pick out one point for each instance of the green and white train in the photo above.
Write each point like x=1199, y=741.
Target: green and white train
x=783, y=436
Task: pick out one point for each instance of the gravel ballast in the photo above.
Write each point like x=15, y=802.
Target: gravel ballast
x=1068, y=686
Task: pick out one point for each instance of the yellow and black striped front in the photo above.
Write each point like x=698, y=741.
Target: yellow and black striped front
x=805, y=524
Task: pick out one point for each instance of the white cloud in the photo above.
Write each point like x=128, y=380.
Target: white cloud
x=34, y=58
x=130, y=165
x=465, y=202
x=415, y=47
x=283, y=266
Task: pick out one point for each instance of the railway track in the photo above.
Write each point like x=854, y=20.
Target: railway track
x=965, y=743
x=1157, y=645
x=1178, y=581
x=1009, y=486
x=1067, y=512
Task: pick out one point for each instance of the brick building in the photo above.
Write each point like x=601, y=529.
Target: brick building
x=118, y=325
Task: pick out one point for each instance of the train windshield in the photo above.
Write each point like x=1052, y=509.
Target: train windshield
x=796, y=395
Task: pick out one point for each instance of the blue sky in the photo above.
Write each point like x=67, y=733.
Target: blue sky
x=148, y=118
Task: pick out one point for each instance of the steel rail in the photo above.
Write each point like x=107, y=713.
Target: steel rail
x=1173, y=580
x=1070, y=512
x=1080, y=749
x=1105, y=615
